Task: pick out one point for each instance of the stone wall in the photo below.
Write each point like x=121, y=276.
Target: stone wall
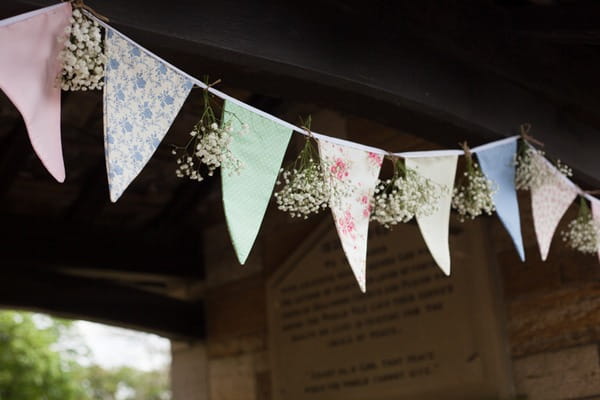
x=553, y=315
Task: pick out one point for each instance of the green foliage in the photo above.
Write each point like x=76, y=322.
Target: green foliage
x=29, y=366
x=35, y=364
x=127, y=383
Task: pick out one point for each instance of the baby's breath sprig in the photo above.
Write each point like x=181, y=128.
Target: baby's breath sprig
x=82, y=57
x=531, y=169
x=583, y=233
x=208, y=146
x=305, y=189
x=474, y=194
x=405, y=195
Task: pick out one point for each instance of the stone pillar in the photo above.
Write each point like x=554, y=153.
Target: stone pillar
x=189, y=371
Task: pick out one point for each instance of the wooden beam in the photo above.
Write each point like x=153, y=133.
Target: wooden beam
x=100, y=301
x=33, y=242
x=185, y=198
x=14, y=153
x=385, y=71
x=92, y=198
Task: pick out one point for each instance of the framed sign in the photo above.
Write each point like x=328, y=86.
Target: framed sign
x=415, y=334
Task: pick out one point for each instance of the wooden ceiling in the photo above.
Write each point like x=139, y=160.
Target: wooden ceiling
x=440, y=71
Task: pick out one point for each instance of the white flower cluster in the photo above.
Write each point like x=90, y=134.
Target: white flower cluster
x=305, y=190
x=474, y=195
x=583, y=234
x=82, y=57
x=209, y=145
x=532, y=171
x=403, y=197
x=564, y=168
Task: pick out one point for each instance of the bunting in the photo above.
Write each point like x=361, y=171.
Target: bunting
x=246, y=194
x=142, y=97
x=497, y=161
x=352, y=176
x=434, y=228
x=549, y=202
x=29, y=70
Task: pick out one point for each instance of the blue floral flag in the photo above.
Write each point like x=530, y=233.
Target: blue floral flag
x=142, y=96
x=497, y=162
x=246, y=193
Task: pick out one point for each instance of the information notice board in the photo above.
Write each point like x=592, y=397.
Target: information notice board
x=415, y=334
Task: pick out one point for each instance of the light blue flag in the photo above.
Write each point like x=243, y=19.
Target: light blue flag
x=497, y=161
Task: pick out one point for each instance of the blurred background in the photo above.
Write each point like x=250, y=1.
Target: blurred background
x=42, y=357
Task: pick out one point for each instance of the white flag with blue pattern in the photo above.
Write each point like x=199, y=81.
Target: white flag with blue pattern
x=142, y=96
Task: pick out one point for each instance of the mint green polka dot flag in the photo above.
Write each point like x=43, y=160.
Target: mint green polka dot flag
x=260, y=147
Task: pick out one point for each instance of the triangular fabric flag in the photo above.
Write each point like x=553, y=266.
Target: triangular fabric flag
x=497, y=161
x=434, y=227
x=142, y=96
x=596, y=214
x=352, y=175
x=549, y=202
x=29, y=70
x=246, y=193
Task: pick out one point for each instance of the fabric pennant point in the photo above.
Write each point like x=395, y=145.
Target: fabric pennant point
x=352, y=175
x=435, y=227
x=549, y=202
x=29, y=73
x=247, y=193
x=142, y=97
x=497, y=163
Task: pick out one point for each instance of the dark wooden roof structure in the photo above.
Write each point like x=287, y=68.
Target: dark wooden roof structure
x=444, y=71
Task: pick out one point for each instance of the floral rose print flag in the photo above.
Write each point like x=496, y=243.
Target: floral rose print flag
x=352, y=175
x=142, y=97
x=434, y=228
x=29, y=70
x=549, y=202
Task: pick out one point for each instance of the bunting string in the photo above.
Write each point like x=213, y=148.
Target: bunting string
x=143, y=94
x=333, y=140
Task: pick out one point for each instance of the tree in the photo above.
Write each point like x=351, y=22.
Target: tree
x=38, y=362
x=29, y=366
x=126, y=383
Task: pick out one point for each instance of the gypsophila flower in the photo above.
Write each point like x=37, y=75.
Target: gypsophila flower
x=474, y=194
x=305, y=190
x=406, y=195
x=82, y=57
x=564, y=169
x=208, y=147
x=583, y=233
x=532, y=171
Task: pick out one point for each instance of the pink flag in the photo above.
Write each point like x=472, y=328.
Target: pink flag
x=596, y=214
x=549, y=202
x=353, y=175
x=29, y=68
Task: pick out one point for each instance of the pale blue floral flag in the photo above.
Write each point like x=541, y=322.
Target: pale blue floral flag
x=497, y=161
x=142, y=97
x=246, y=193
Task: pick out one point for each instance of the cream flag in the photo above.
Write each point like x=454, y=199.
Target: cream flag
x=434, y=227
